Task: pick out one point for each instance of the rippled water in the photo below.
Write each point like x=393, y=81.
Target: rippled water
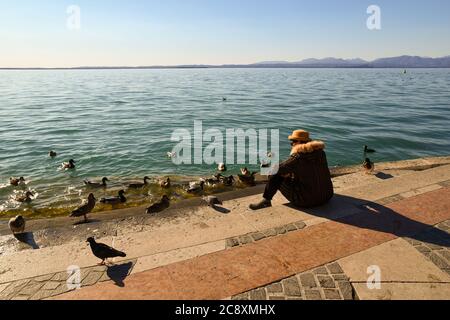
x=118, y=123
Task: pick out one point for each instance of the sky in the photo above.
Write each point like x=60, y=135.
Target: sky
x=173, y=32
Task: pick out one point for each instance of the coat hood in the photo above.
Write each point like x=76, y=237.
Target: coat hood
x=308, y=147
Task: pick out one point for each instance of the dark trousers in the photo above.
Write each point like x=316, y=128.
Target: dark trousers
x=278, y=183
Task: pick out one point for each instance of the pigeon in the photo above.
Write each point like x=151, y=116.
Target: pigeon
x=195, y=187
x=247, y=177
x=85, y=209
x=27, y=197
x=69, y=165
x=52, y=154
x=96, y=184
x=16, y=181
x=165, y=184
x=139, y=185
x=212, y=201
x=115, y=200
x=17, y=225
x=369, y=166
x=104, y=252
x=222, y=167
x=159, y=206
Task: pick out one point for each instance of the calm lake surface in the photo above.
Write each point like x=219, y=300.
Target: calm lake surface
x=118, y=123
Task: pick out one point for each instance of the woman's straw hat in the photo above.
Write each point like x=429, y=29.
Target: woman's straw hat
x=300, y=135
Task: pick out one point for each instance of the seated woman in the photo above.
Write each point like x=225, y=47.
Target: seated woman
x=304, y=179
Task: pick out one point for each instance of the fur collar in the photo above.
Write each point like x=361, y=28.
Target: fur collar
x=308, y=147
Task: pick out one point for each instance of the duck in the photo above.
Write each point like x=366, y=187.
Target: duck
x=368, y=150
x=195, y=187
x=171, y=155
x=17, y=181
x=96, y=184
x=25, y=198
x=115, y=200
x=214, y=181
x=52, y=154
x=227, y=181
x=212, y=201
x=69, y=165
x=139, y=185
x=222, y=167
x=85, y=209
x=369, y=166
x=165, y=184
x=160, y=206
x=17, y=224
x=103, y=251
x=247, y=177
x=224, y=99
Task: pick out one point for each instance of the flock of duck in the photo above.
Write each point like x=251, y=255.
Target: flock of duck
x=247, y=178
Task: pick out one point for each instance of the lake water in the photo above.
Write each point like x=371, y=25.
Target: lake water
x=118, y=123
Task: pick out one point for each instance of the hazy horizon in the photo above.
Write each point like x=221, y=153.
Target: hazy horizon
x=219, y=32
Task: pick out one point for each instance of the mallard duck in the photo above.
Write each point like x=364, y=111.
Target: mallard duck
x=368, y=166
x=195, y=187
x=212, y=201
x=69, y=165
x=115, y=200
x=27, y=197
x=165, y=184
x=247, y=177
x=160, y=206
x=104, y=252
x=17, y=181
x=17, y=224
x=52, y=154
x=85, y=209
x=222, y=167
x=96, y=184
x=139, y=185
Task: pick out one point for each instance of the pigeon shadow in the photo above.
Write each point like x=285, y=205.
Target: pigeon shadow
x=384, y=176
x=221, y=209
x=118, y=273
x=27, y=238
x=373, y=216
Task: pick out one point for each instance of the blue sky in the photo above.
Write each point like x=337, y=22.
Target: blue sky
x=170, y=32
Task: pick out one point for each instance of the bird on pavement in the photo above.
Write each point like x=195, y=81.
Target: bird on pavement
x=139, y=185
x=212, y=201
x=369, y=166
x=159, y=206
x=103, y=251
x=115, y=200
x=85, y=209
x=17, y=225
x=97, y=184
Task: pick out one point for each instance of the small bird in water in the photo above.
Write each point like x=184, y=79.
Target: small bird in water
x=139, y=185
x=25, y=198
x=222, y=167
x=247, y=177
x=96, y=184
x=17, y=225
x=103, y=251
x=224, y=99
x=69, y=165
x=195, y=187
x=17, y=181
x=52, y=154
x=171, y=155
x=214, y=181
x=165, y=184
x=212, y=201
x=367, y=150
x=115, y=200
x=85, y=209
x=159, y=206
x=369, y=166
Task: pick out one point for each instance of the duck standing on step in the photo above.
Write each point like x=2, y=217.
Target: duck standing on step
x=160, y=206
x=212, y=201
x=85, y=209
x=103, y=251
x=97, y=184
x=17, y=181
x=17, y=225
x=115, y=200
x=139, y=185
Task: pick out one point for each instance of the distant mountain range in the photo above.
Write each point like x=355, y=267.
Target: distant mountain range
x=394, y=62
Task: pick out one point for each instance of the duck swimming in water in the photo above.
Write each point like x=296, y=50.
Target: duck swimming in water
x=222, y=167
x=115, y=200
x=17, y=225
x=25, y=198
x=69, y=165
x=17, y=181
x=159, y=206
x=52, y=154
x=139, y=185
x=96, y=184
x=85, y=209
